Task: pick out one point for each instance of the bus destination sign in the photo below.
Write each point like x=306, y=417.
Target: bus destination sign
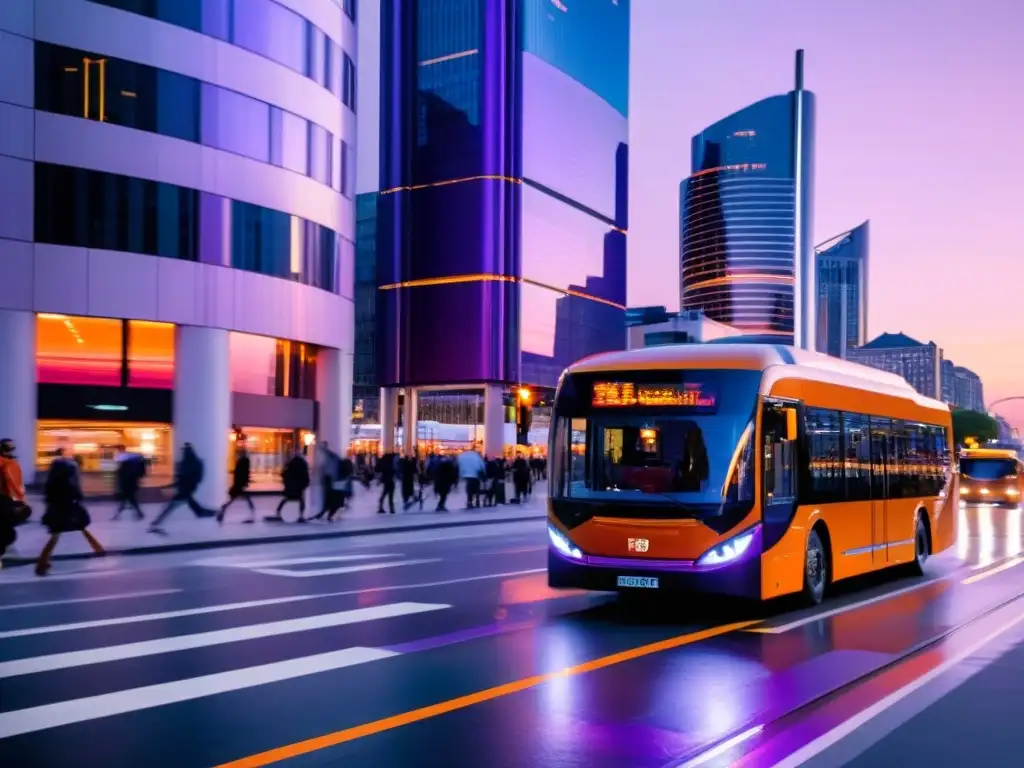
x=624, y=394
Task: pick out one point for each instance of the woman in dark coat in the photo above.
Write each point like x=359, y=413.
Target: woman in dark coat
x=64, y=510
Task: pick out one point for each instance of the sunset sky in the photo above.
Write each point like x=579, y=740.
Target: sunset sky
x=920, y=110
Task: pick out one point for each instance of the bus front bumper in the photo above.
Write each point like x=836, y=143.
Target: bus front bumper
x=739, y=579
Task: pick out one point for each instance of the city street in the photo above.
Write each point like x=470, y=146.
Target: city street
x=441, y=647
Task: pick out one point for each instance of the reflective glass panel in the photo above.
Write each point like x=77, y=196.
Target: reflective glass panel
x=78, y=350
x=150, y=354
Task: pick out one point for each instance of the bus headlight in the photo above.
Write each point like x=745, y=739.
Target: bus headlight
x=561, y=543
x=728, y=551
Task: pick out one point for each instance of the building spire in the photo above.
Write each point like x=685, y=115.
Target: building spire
x=799, y=69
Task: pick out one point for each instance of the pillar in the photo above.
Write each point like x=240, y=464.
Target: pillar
x=18, y=391
x=202, y=405
x=494, y=420
x=329, y=399
x=410, y=420
x=388, y=417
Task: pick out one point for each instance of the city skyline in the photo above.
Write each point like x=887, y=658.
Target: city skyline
x=940, y=98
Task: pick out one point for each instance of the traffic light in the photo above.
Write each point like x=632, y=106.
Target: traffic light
x=524, y=417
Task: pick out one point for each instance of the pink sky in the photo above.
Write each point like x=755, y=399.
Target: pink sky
x=920, y=127
x=920, y=119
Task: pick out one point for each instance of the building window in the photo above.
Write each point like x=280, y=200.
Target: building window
x=261, y=365
x=91, y=209
x=79, y=350
x=264, y=27
x=150, y=354
x=87, y=85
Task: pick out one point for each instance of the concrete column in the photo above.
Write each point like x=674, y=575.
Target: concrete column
x=388, y=418
x=347, y=372
x=329, y=398
x=494, y=420
x=18, y=408
x=410, y=419
x=202, y=405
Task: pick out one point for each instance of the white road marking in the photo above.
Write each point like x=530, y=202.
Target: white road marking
x=339, y=571
x=843, y=608
x=97, y=599
x=840, y=732
x=237, y=562
x=47, y=716
x=36, y=664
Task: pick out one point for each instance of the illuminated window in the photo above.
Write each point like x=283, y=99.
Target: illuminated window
x=78, y=350
x=150, y=354
x=261, y=365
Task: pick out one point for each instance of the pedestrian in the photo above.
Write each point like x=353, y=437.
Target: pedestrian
x=407, y=469
x=296, y=478
x=188, y=474
x=241, y=479
x=328, y=469
x=13, y=509
x=131, y=468
x=387, y=469
x=342, y=487
x=471, y=471
x=445, y=476
x=65, y=512
x=520, y=478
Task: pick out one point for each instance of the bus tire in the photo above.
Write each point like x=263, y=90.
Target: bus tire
x=922, y=545
x=816, y=570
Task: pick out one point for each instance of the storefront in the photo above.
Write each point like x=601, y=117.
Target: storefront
x=269, y=451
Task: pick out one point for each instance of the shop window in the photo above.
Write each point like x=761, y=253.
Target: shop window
x=261, y=365
x=78, y=350
x=150, y=354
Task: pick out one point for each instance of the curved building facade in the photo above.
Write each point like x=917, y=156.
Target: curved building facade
x=745, y=215
x=177, y=230
x=843, y=291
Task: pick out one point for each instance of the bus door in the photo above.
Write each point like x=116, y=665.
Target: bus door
x=880, y=431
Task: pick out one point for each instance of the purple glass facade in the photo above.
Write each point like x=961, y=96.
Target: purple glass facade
x=501, y=253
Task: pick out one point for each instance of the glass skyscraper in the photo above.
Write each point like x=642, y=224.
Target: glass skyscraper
x=843, y=291
x=502, y=213
x=746, y=214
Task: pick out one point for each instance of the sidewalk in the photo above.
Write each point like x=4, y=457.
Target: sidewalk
x=129, y=536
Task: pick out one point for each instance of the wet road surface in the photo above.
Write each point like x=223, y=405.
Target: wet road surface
x=441, y=649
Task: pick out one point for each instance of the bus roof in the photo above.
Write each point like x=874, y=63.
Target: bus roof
x=778, y=361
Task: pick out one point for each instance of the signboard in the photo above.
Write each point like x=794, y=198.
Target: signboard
x=626, y=394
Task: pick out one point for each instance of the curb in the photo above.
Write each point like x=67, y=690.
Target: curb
x=153, y=549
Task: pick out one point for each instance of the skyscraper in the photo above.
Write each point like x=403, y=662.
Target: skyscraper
x=502, y=211
x=746, y=217
x=920, y=364
x=842, y=263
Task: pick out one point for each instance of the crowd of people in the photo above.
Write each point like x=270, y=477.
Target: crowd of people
x=484, y=479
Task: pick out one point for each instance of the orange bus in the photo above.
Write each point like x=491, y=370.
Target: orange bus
x=742, y=469
x=991, y=476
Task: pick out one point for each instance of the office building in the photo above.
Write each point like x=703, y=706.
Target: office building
x=365, y=390
x=177, y=231
x=745, y=256
x=962, y=387
x=842, y=264
x=502, y=212
x=920, y=364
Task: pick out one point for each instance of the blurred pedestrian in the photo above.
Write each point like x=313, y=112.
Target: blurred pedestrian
x=65, y=512
x=13, y=509
x=387, y=468
x=446, y=474
x=188, y=474
x=131, y=468
x=241, y=479
x=296, y=479
x=471, y=471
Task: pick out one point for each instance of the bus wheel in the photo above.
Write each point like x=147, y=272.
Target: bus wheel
x=921, y=548
x=815, y=570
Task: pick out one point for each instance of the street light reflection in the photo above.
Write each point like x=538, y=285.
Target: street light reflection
x=986, y=537
x=1013, y=532
x=963, y=539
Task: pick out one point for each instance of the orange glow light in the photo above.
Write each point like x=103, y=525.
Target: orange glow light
x=524, y=394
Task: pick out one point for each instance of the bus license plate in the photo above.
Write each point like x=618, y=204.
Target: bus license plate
x=638, y=582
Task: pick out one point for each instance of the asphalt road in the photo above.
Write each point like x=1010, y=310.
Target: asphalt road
x=433, y=648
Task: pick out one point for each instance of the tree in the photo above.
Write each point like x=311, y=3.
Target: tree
x=980, y=426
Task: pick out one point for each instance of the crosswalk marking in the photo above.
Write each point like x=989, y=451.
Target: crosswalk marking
x=277, y=563
x=70, y=659
x=96, y=599
x=338, y=571
x=47, y=716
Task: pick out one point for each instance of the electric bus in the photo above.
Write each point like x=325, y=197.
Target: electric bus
x=991, y=476
x=751, y=470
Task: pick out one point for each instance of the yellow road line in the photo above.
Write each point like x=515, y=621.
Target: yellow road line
x=317, y=743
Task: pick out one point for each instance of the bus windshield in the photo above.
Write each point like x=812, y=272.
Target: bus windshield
x=687, y=443
x=988, y=468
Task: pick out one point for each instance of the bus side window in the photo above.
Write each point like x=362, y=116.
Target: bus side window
x=779, y=428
